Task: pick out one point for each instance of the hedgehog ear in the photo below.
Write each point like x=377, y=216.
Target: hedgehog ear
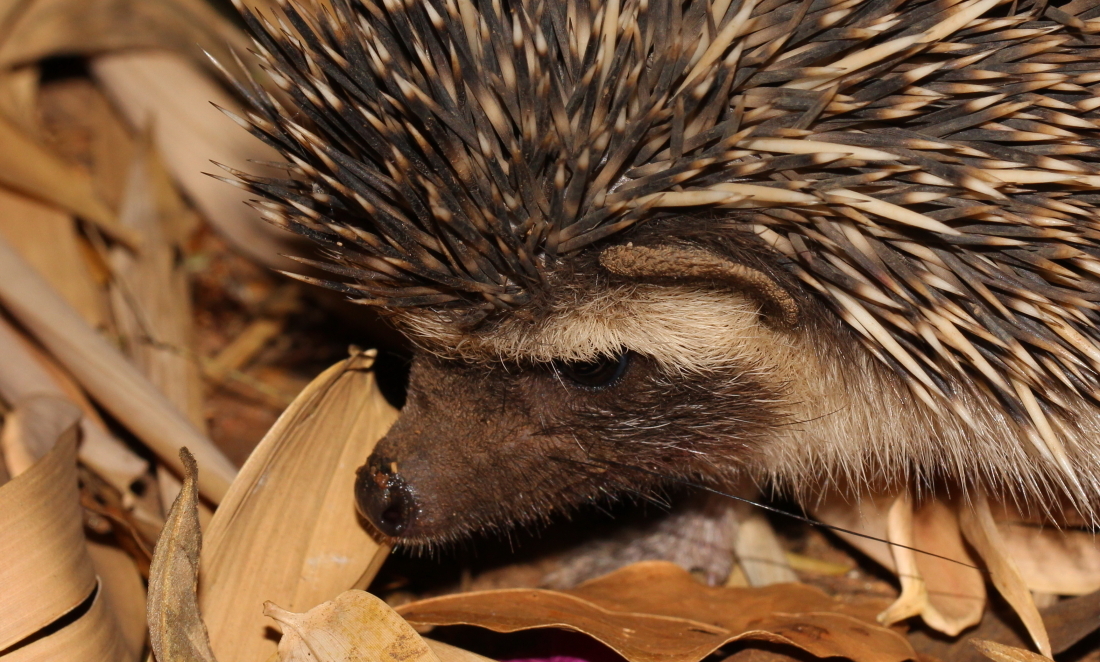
x=686, y=264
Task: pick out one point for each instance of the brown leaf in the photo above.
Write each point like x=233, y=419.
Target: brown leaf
x=44, y=28
x=1002, y=653
x=655, y=612
x=976, y=523
x=1070, y=621
x=176, y=630
x=355, y=626
x=949, y=597
x=123, y=593
x=1053, y=559
x=40, y=531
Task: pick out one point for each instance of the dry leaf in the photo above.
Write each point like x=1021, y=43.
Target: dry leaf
x=171, y=96
x=42, y=28
x=949, y=597
x=758, y=551
x=655, y=612
x=1054, y=560
x=1002, y=653
x=92, y=636
x=30, y=168
x=106, y=374
x=867, y=515
x=449, y=653
x=47, y=571
x=295, y=495
x=123, y=593
x=356, y=626
x=981, y=532
x=1070, y=621
x=41, y=534
x=176, y=629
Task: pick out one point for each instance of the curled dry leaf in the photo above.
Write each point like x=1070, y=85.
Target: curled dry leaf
x=356, y=626
x=288, y=531
x=176, y=630
x=655, y=612
x=92, y=636
x=949, y=597
x=40, y=532
x=976, y=523
x=47, y=572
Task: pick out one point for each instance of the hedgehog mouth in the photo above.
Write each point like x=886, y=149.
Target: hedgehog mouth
x=574, y=544
x=531, y=513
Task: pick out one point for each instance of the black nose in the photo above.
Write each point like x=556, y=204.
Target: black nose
x=383, y=497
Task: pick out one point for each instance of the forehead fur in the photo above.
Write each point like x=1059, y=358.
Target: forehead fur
x=684, y=329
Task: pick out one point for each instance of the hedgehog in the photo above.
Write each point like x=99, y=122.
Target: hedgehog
x=802, y=244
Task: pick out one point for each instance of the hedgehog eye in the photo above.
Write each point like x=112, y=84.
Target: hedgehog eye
x=597, y=374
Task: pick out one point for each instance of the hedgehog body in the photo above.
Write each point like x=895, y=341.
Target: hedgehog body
x=808, y=243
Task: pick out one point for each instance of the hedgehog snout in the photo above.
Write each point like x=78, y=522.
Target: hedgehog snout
x=383, y=497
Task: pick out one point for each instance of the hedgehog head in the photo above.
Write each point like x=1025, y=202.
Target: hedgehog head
x=805, y=241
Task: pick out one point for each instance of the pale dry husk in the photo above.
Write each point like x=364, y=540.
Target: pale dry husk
x=288, y=531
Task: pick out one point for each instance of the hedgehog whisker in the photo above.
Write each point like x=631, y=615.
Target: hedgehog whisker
x=763, y=506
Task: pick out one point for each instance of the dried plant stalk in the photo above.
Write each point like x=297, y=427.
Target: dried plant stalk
x=288, y=531
x=19, y=97
x=47, y=238
x=23, y=374
x=106, y=374
x=150, y=297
